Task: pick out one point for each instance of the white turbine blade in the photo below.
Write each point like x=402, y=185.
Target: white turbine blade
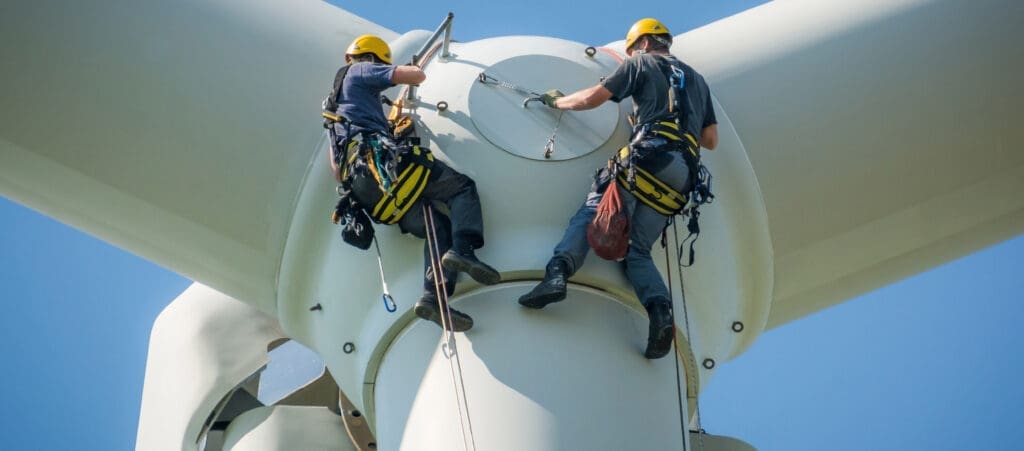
x=882, y=134
x=176, y=130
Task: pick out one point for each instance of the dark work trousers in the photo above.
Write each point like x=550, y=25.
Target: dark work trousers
x=457, y=217
x=458, y=220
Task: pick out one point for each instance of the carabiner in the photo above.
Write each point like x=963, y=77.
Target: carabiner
x=389, y=303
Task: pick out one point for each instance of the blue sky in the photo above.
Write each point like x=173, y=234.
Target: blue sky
x=929, y=363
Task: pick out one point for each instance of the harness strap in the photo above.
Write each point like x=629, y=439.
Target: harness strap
x=330, y=104
x=346, y=159
x=654, y=193
x=406, y=190
x=670, y=130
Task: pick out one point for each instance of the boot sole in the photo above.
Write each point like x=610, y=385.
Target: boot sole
x=542, y=300
x=458, y=324
x=478, y=272
x=660, y=347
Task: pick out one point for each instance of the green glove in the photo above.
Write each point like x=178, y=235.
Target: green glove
x=550, y=97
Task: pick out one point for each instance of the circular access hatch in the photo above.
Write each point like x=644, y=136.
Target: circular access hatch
x=498, y=112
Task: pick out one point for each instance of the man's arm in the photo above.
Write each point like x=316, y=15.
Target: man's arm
x=584, y=99
x=709, y=137
x=408, y=75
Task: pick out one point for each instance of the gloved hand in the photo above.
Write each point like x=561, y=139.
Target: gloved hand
x=550, y=97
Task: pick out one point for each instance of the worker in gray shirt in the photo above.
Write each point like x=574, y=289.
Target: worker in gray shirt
x=667, y=136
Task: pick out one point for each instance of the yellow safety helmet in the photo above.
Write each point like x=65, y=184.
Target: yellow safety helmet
x=369, y=43
x=642, y=27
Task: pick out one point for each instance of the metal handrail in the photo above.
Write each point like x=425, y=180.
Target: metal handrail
x=446, y=27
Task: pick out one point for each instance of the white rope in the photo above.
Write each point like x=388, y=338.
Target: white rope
x=686, y=318
x=451, y=347
x=675, y=343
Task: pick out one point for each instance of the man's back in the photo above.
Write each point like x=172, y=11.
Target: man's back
x=643, y=77
x=359, y=96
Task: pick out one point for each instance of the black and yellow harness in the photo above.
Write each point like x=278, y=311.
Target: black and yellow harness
x=401, y=171
x=654, y=193
x=400, y=166
x=647, y=188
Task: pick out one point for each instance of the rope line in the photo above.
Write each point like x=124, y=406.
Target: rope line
x=458, y=359
x=686, y=318
x=675, y=343
x=440, y=287
x=389, y=302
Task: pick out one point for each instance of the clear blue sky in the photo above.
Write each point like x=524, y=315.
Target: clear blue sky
x=930, y=363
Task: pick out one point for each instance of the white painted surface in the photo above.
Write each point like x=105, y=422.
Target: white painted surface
x=842, y=166
x=203, y=345
x=287, y=428
x=179, y=131
x=709, y=442
x=883, y=134
x=500, y=116
x=568, y=377
x=526, y=204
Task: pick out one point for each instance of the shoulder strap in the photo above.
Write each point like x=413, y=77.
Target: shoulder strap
x=331, y=102
x=678, y=101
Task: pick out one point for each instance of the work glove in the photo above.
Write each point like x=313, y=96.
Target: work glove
x=550, y=97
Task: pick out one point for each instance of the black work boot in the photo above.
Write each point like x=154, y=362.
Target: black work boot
x=429, y=309
x=659, y=338
x=464, y=260
x=551, y=289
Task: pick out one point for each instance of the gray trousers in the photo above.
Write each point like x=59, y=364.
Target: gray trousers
x=646, y=226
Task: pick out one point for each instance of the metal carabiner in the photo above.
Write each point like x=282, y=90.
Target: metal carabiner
x=389, y=303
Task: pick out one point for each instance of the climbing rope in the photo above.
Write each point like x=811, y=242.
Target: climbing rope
x=549, y=148
x=686, y=319
x=389, y=302
x=441, y=290
x=675, y=343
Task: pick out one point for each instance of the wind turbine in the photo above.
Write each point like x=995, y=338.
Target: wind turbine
x=821, y=197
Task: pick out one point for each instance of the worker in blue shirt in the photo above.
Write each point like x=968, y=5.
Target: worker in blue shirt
x=392, y=179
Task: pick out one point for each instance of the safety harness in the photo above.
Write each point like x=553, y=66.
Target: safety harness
x=649, y=189
x=401, y=168
x=645, y=186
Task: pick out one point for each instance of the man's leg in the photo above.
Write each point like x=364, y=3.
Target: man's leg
x=568, y=256
x=647, y=226
x=458, y=192
x=429, y=306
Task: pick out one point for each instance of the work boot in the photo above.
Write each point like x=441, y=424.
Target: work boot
x=466, y=261
x=429, y=309
x=659, y=338
x=551, y=289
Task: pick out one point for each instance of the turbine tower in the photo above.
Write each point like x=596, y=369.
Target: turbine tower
x=851, y=156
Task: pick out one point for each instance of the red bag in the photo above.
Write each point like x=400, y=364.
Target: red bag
x=608, y=233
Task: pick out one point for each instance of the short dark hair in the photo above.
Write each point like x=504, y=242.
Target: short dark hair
x=365, y=58
x=659, y=42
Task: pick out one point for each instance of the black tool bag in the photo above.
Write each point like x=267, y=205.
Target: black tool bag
x=356, y=227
